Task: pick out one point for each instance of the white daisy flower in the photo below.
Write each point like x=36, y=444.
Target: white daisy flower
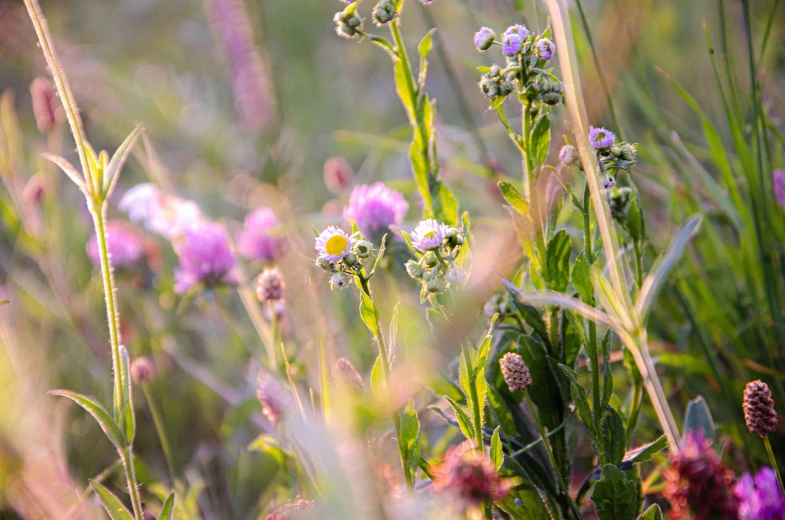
x=333, y=244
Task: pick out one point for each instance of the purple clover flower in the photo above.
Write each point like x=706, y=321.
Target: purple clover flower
x=260, y=238
x=429, y=234
x=375, y=208
x=124, y=243
x=518, y=29
x=778, y=179
x=512, y=44
x=601, y=138
x=761, y=498
x=483, y=39
x=205, y=257
x=545, y=49
x=333, y=244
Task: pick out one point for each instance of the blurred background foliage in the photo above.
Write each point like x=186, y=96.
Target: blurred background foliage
x=167, y=65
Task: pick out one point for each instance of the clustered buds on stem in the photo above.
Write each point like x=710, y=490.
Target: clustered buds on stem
x=526, y=55
x=347, y=23
x=343, y=256
x=385, y=11
x=270, y=286
x=437, y=247
x=516, y=373
x=759, y=412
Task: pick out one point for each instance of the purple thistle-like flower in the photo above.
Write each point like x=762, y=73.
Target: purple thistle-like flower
x=601, y=138
x=512, y=43
x=205, y=257
x=518, y=29
x=761, y=498
x=125, y=245
x=333, y=244
x=545, y=49
x=429, y=234
x=375, y=208
x=260, y=238
x=483, y=39
x=778, y=179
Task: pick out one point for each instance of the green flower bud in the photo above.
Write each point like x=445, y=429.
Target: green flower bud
x=323, y=263
x=350, y=259
x=505, y=87
x=436, y=285
x=627, y=152
x=495, y=71
x=414, y=269
x=430, y=261
x=363, y=248
x=340, y=280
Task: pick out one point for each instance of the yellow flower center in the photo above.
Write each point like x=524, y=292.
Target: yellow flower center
x=429, y=234
x=336, y=245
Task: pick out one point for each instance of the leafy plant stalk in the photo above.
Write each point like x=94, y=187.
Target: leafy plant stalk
x=774, y=464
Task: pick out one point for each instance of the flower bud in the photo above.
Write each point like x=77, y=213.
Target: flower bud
x=505, y=88
x=414, y=269
x=350, y=259
x=436, y=285
x=484, y=38
x=363, y=248
x=34, y=190
x=545, y=49
x=430, y=260
x=273, y=400
x=46, y=107
x=569, y=155
x=383, y=13
x=759, y=412
x=453, y=238
x=142, y=370
x=516, y=373
x=338, y=173
x=346, y=375
x=325, y=264
x=340, y=280
x=627, y=152
x=270, y=286
x=495, y=71
x=608, y=181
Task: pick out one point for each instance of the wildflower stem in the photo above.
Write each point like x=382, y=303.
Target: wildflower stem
x=160, y=430
x=593, y=353
x=544, y=436
x=127, y=459
x=528, y=167
x=773, y=461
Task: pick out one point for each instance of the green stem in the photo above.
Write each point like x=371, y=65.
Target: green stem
x=774, y=463
x=593, y=354
x=544, y=435
x=99, y=219
x=127, y=459
x=528, y=165
x=160, y=430
x=635, y=409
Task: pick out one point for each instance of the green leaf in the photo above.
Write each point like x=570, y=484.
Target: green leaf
x=112, y=171
x=464, y=423
x=167, y=509
x=128, y=417
x=698, y=419
x=94, y=408
x=581, y=401
x=114, y=507
x=379, y=254
x=425, y=46
x=502, y=412
x=409, y=439
x=497, y=453
x=541, y=139
x=607, y=385
x=269, y=445
x=531, y=315
x=377, y=378
x=370, y=315
x=635, y=219
x=653, y=513
x=581, y=278
x=614, y=436
x=559, y=249
x=654, y=282
x=514, y=198
x=646, y=452
x=615, y=496
x=498, y=102
x=69, y=170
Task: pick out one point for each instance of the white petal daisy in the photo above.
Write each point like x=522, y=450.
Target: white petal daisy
x=428, y=234
x=333, y=244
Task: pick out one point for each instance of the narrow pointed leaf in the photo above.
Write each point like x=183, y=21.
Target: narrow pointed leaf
x=112, y=172
x=68, y=168
x=98, y=412
x=167, y=509
x=114, y=507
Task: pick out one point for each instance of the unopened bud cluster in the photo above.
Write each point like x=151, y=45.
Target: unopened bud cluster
x=347, y=23
x=385, y=11
x=759, y=412
x=526, y=56
x=500, y=303
x=437, y=246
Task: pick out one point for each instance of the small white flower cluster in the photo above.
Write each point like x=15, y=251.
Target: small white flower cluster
x=437, y=247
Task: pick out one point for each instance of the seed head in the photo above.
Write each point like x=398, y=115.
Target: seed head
x=338, y=174
x=759, y=413
x=273, y=400
x=142, y=370
x=270, y=286
x=470, y=474
x=516, y=373
x=346, y=375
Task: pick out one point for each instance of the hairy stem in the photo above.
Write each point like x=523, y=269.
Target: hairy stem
x=774, y=463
